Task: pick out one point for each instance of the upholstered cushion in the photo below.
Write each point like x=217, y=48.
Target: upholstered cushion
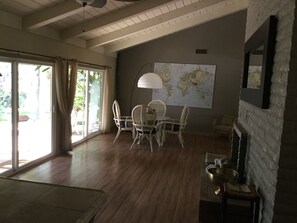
x=122, y=124
x=175, y=128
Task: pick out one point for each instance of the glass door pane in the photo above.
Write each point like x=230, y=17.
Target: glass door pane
x=87, y=109
x=35, y=119
x=95, y=93
x=5, y=116
x=78, y=115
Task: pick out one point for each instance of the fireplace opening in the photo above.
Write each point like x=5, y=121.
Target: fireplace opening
x=238, y=150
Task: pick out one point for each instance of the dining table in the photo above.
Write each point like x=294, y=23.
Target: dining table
x=161, y=118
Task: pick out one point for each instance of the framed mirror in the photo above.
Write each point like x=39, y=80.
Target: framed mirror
x=254, y=73
x=258, y=62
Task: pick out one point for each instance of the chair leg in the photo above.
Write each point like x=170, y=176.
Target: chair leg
x=117, y=135
x=140, y=138
x=136, y=137
x=163, y=138
x=151, y=142
x=158, y=139
x=181, y=140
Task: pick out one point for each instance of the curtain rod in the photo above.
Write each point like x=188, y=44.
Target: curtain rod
x=50, y=57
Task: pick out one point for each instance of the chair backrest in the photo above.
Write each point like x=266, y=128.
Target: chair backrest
x=143, y=115
x=158, y=106
x=116, y=110
x=183, y=117
x=184, y=114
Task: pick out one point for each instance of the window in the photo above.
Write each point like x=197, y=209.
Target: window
x=87, y=109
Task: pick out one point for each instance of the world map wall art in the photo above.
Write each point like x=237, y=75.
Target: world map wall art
x=190, y=84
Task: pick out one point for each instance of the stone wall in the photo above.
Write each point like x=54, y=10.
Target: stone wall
x=272, y=152
x=286, y=196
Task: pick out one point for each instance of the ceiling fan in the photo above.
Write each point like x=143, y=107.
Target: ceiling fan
x=97, y=4
x=100, y=3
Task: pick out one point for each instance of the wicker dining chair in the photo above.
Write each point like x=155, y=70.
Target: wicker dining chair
x=176, y=126
x=158, y=106
x=123, y=123
x=145, y=125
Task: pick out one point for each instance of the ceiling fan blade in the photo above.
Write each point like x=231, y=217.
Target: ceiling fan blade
x=98, y=3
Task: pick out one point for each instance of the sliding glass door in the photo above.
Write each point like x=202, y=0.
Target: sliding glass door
x=5, y=116
x=25, y=113
x=87, y=109
x=95, y=100
x=35, y=119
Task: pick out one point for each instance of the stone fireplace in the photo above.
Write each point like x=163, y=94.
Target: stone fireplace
x=271, y=158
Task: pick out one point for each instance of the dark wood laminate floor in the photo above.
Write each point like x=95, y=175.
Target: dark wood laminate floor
x=160, y=187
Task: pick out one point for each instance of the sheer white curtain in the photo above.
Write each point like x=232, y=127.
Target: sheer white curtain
x=107, y=102
x=65, y=84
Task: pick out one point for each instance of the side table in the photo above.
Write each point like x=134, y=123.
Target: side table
x=240, y=194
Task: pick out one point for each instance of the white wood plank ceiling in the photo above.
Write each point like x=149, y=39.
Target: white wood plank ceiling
x=116, y=26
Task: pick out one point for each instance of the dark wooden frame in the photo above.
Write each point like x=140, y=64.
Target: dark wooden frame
x=265, y=35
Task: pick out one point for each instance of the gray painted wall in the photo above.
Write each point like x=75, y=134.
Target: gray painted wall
x=224, y=41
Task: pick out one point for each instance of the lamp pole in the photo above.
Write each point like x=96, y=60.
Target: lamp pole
x=134, y=83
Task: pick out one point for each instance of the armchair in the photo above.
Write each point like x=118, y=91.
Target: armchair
x=223, y=125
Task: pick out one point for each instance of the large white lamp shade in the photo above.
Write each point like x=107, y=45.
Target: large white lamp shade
x=150, y=80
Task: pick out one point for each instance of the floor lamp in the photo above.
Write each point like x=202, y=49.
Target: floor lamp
x=149, y=81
